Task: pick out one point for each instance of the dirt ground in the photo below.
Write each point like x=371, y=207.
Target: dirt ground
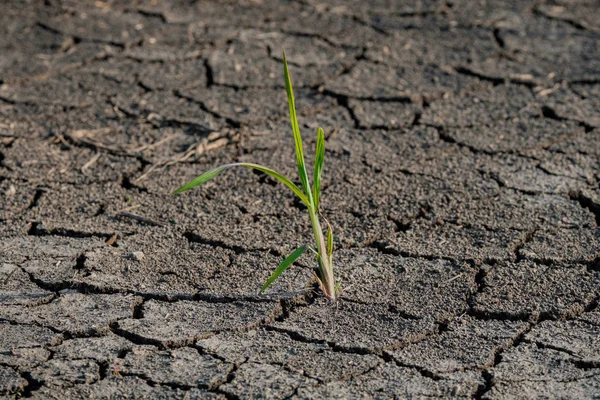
x=461, y=180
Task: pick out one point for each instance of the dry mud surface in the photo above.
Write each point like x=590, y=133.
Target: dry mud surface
x=461, y=180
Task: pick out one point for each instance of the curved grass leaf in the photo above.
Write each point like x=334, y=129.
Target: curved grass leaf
x=296, y=129
x=207, y=176
x=319, y=158
x=285, y=264
x=329, y=241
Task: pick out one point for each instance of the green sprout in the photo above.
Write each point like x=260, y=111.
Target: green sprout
x=324, y=245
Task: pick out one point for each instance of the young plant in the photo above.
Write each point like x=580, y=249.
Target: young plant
x=310, y=197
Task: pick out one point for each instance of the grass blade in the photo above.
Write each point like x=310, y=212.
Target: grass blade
x=285, y=264
x=329, y=241
x=296, y=129
x=205, y=177
x=319, y=158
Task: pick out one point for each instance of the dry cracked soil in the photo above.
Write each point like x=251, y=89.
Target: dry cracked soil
x=461, y=180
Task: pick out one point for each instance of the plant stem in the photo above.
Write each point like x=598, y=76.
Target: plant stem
x=324, y=265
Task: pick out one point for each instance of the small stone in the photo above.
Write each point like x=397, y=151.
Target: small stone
x=11, y=191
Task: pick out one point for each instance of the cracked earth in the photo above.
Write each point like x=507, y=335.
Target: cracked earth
x=461, y=180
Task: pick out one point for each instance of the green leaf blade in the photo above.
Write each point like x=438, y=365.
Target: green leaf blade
x=319, y=159
x=285, y=264
x=296, y=129
x=329, y=241
x=205, y=177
